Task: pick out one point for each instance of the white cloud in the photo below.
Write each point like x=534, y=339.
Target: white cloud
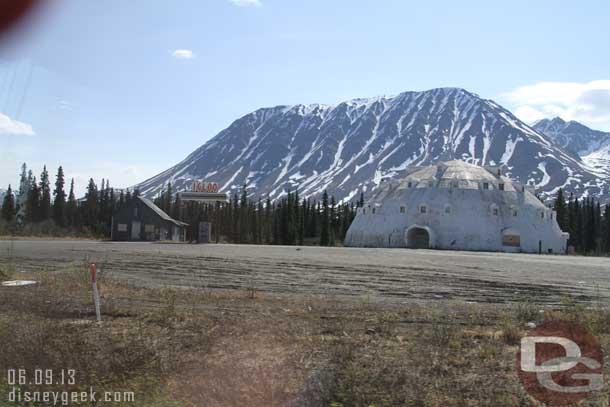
x=183, y=54
x=247, y=3
x=588, y=102
x=14, y=127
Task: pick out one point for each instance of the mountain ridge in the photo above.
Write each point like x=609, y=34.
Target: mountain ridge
x=573, y=135
x=591, y=146
x=351, y=146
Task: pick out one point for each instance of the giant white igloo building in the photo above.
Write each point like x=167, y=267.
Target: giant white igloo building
x=457, y=206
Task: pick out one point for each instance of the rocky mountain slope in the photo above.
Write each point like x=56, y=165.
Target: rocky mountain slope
x=592, y=146
x=572, y=135
x=353, y=146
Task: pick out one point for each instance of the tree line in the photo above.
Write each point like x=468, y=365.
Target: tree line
x=586, y=221
x=290, y=220
x=39, y=206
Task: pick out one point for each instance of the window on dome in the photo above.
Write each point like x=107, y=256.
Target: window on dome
x=423, y=209
x=486, y=185
x=409, y=184
x=495, y=211
x=501, y=187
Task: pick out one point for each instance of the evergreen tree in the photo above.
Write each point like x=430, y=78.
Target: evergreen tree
x=8, y=206
x=33, y=203
x=121, y=202
x=325, y=226
x=607, y=229
x=167, y=200
x=22, y=195
x=176, y=209
x=242, y=214
x=561, y=210
x=572, y=221
x=301, y=221
x=268, y=221
x=90, y=209
x=361, y=200
x=71, y=207
x=45, y=195
x=333, y=222
x=261, y=222
x=59, y=203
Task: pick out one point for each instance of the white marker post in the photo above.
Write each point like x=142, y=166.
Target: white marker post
x=96, y=293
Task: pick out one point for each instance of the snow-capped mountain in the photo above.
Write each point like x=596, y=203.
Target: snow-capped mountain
x=572, y=135
x=599, y=160
x=353, y=146
x=592, y=146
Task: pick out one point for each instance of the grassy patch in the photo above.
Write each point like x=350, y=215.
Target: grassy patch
x=225, y=348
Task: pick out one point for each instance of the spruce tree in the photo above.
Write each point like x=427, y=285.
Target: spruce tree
x=325, y=226
x=121, y=202
x=176, y=209
x=8, y=206
x=333, y=222
x=71, y=207
x=167, y=200
x=268, y=221
x=560, y=209
x=261, y=222
x=33, y=203
x=243, y=216
x=45, y=195
x=90, y=209
x=59, y=203
x=301, y=220
x=607, y=228
x=22, y=195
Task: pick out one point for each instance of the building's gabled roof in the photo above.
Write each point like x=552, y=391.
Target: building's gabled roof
x=160, y=212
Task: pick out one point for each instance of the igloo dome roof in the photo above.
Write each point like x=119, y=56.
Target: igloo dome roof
x=452, y=170
x=449, y=175
x=456, y=173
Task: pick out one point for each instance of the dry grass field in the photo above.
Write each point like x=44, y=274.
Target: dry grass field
x=255, y=340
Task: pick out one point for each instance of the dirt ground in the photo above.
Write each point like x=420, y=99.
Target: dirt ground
x=267, y=326
x=381, y=275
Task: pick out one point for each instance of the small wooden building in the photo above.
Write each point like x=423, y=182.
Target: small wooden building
x=142, y=220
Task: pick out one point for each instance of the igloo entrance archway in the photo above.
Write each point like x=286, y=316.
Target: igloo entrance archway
x=419, y=237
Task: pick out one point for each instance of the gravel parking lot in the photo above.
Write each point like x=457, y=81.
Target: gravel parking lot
x=383, y=275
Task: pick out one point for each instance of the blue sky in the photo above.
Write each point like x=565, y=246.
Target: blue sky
x=125, y=89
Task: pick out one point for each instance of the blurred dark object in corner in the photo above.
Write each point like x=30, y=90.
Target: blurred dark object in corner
x=12, y=12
